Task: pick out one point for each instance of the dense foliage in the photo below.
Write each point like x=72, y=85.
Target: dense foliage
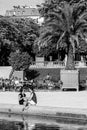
x=64, y=23
x=20, y=60
x=29, y=31
x=8, y=33
x=16, y=34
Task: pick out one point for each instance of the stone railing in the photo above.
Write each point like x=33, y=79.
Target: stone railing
x=48, y=64
x=80, y=64
x=55, y=64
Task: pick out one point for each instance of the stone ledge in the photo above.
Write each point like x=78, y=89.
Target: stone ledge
x=68, y=115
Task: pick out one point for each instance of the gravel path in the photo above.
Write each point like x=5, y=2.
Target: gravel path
x=52, y=99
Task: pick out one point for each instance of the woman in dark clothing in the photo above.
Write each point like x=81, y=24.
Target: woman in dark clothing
x=21, y=97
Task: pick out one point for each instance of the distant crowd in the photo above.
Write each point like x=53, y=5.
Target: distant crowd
x=15, y=83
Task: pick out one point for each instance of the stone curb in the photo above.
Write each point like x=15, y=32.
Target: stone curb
x=66, y=115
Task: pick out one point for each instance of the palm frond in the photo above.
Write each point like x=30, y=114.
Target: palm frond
x=56, y=34
x=44, y=42
x=83, y=16
x=57, y=26
x=79, y=24
x=66, y=13
x=79, y=8
x=74, y=38
x=55, y=15
x=60, y=39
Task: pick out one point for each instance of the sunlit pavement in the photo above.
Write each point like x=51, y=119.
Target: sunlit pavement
x=66, y=99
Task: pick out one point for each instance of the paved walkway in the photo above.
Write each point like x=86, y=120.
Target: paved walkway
x=52, y=99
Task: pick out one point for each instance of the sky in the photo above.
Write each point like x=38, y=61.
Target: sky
x=8, y=4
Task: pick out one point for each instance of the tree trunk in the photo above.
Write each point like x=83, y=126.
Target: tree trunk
x=70, y=59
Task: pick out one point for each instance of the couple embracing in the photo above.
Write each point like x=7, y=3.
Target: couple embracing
x=26, y=101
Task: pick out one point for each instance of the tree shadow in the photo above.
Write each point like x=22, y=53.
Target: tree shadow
x=32, y=74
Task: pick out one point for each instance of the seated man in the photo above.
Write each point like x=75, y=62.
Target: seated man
x=48, y=77
x=32, y=100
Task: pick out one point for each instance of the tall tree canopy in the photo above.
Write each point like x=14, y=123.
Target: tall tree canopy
x=16, y=34
x=29, y=31
x=8, y=34
x=65, y=22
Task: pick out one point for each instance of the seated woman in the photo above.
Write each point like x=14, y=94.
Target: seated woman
x=22, y=97
x=31, y=100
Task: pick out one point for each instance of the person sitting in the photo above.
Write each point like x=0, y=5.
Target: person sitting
x=31, y=100
x=48, y=77
x=22, y=97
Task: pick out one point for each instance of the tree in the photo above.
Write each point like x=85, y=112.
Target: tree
x=29, y=31
x=16, y=34
x=20, y=60
x=5, y=50
x=8, y=34
x=65, y=22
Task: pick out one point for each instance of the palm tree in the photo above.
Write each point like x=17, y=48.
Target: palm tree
x=64, y=25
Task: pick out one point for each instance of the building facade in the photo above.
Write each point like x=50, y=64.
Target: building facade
x=25, y=12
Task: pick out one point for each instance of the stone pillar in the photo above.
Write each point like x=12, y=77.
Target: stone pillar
x=50, y=58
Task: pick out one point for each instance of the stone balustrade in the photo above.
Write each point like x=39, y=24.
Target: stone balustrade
x=56, y=64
